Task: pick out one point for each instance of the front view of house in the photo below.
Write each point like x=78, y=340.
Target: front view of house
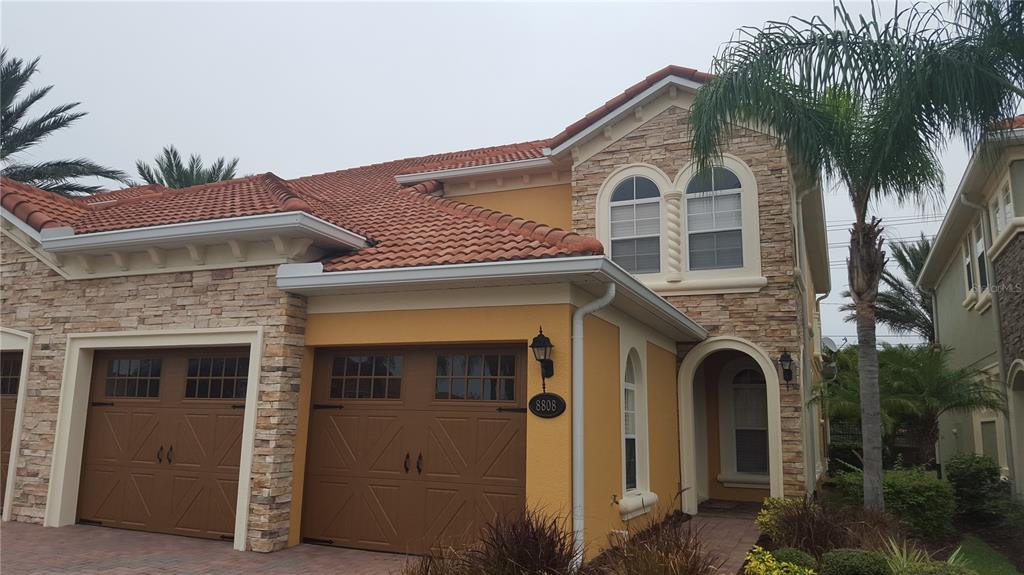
x=345, y=358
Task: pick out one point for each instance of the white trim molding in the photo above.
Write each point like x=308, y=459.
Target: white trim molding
x=69, y=435
x=12, y=339
x=687, y=420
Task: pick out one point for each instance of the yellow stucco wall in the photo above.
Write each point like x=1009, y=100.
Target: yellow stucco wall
x=548, y=441
x=663, y=426
x=603, y=421
x=551, y=205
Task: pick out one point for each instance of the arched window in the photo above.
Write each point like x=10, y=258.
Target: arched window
x=714, y=220
x=635, y=222
x=629, y=424
x=750, y=420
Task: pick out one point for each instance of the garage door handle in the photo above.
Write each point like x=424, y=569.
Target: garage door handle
x=419, y=464
x=160, y=454
x=170, y=454
x=406, y=463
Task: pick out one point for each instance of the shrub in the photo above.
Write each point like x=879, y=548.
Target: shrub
x=666, y=547
x=937, y=568
x=530, y=544
x=796, y=557
x=976, y=485
x=920, y=501
x=802, y=524
x=854, y=562
x=761, y=562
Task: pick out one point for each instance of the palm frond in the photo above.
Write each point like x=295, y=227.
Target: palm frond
x=172, y=172
x=59, y=176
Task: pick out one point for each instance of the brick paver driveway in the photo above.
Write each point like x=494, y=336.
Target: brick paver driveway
x=82, y=549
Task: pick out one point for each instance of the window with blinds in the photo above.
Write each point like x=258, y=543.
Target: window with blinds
x=635, y=220
x=714, y=220
x=629, y=424
x=750, y=418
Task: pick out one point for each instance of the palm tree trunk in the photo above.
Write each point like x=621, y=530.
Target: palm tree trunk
x=867, y=261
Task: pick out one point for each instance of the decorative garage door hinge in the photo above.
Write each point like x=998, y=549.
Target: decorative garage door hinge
x=316, y=541
x=89, y=522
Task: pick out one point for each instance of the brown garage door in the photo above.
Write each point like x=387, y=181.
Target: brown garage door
x=10, y=374
x=410, y=449
x=163, y=440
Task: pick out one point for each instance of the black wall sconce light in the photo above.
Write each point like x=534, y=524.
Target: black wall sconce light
x=542, y=347
x=786, y=363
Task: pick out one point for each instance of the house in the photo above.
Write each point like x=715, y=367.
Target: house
x=345, y=358
x=974, y=276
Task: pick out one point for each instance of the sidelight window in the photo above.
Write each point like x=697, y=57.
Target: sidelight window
x=367, y=377
x=224, y=377
x=476, y=377
x=750, y=416
x=133, y=377
x=10, y=374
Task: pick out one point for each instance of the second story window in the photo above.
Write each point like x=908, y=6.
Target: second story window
x=1002, y=211
x=979, y=252
x=635, y=221
x=968, y=265
x=714, y=220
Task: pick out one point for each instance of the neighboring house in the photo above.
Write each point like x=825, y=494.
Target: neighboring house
x=343, y=358
x=977, y=286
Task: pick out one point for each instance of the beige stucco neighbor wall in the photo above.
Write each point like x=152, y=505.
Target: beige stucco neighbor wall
x=770, y=317
x=38, y=301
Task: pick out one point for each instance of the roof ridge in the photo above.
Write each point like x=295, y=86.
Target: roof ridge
x=22, y=206
x=573, y=242
x=284, y=194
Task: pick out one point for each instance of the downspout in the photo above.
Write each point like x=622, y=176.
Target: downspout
x=577, y=419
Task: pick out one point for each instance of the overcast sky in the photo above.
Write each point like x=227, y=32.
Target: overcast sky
x=299, y=89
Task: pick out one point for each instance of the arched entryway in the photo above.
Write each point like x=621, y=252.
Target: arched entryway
x=730, y=423
x=1015, y=394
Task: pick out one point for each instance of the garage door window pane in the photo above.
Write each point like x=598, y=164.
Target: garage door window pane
x=217, y=377
x=133, y=377
x=475, y=377
x=366, y=377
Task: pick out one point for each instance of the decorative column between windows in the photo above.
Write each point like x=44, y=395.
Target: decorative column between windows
x=673, y=228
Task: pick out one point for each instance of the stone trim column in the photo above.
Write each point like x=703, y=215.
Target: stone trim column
x=673, y=235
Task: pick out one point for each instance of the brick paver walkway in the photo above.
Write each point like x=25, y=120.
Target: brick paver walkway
x=77, y=549
x=728, y=534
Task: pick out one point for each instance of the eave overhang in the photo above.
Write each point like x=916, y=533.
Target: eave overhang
x=469, y=172
x=590, y=273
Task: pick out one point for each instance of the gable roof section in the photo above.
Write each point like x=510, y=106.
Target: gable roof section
x=633, y=91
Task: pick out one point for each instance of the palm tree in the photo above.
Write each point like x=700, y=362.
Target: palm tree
x=171, y=171
x=902, y=306
x=917, y=386
x=867, y=102
x=18, y=134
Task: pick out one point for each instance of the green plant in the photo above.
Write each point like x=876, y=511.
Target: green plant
x=665, y=547
x=854, y=562
x=921, y=502
x=18, y=133
x=761, y=562
x=796, y=557
x=976, y=484
x=530, y=544
x=937, y=568
x=803, y=524
x=172, y=172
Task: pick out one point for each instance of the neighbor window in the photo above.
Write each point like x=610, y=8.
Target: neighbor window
x=10, y=374
x=968, y=265
x=635, y=219
x=750, y=418
x=224, y=377
x=979, y=252
x=131, y=377
x=475, y=377
x=714, y=220
x=1002, y=211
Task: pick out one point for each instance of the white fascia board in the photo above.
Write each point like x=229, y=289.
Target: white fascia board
x=623, y=109
x=265, y=225
x=22, y=226
x=957, y=214
x=310, y=279
x=473, y=171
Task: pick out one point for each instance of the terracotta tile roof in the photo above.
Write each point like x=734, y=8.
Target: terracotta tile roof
x=37, y=208
x=481, y=157
x=582, y=124
x=1015, y=122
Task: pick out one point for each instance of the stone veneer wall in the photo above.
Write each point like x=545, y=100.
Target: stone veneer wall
x=37, y=300
x=1009, y=282
x=771, y=317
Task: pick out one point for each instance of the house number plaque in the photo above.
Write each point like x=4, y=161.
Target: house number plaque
x=547, y=405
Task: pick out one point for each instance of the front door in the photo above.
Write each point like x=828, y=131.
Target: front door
x=413, y=449
x=163, y=440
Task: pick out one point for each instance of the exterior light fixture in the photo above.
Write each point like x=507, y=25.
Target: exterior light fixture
x=786, y=363
x=542, y=347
